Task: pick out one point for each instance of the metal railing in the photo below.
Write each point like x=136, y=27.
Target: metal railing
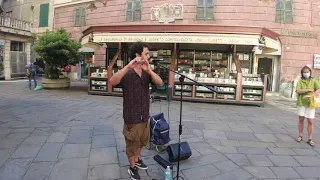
x=15, y=23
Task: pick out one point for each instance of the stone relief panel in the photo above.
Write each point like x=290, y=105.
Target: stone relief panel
x=167, y=12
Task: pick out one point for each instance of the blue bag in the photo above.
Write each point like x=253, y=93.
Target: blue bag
x=159, y=130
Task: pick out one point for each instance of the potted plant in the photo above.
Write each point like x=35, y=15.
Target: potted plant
x=1, y=68
x=57, y=50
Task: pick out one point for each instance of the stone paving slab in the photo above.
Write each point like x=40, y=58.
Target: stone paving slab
x=70, y=135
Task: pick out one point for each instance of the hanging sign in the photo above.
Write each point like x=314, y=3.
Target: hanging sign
x=316, y=61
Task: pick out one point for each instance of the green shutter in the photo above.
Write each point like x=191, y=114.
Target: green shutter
x=80, y=17
x=288, y=12
x=83, y=16
x=133, y=12
x=129, y=14
x=205, y=9
x=137, y=10
x=279, y=11
x=209, y=9
x=77, y=17
x=44, y=15
x=284, y=11
x=209, y=3
x=200, y=9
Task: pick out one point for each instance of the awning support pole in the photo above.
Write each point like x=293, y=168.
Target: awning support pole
x=236, y=59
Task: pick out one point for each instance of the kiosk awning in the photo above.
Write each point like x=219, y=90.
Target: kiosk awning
x=95, y=39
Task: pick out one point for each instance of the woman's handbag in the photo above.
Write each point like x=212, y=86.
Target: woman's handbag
x=314, y=100
x=27, y=74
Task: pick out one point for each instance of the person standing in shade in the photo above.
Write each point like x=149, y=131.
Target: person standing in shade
x=307, y=88
x=135, y=79
x=32, y=72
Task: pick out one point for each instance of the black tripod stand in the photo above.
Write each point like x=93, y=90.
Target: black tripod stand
x=181, y=80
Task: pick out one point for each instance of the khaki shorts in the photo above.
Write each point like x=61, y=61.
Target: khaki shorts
x=136, y=137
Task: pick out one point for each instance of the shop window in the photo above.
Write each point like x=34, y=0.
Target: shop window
x=44, y=15
x=80, y=17
x=284, y=11
x=17, y=46
x=205, y=9
x=133, y=10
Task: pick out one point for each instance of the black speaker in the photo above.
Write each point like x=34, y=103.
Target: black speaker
x=185, y=151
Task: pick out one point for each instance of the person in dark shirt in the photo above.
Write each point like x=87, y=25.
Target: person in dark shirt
x=135, y=79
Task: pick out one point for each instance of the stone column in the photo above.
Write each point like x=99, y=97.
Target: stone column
x=7, y=59
x=28, y=52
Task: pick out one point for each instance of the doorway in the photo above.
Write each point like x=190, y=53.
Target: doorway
x=265, y=66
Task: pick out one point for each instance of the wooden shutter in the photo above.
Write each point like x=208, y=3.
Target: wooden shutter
x=288, y=12
x=77, y=17
x=44, y=15
x=279, y=10
x=129, y=14
x=200, y=9
x=80, y=17
x=137, y=10
x=83, y=17
x=209, y=9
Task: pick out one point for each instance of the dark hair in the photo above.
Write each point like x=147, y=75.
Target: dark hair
x=305, y=67
x=137, y=48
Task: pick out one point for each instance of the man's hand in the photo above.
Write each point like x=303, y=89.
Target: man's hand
x=134, y=63
x=146, y=66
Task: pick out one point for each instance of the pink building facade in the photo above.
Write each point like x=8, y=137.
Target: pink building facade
x=296, y=23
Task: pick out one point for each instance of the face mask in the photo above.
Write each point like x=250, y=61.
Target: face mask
x=306, y=75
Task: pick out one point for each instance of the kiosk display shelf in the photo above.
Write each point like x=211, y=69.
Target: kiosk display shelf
x=232, y=91
x=98, y=80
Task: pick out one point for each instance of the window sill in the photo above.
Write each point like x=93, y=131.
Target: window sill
x=205, y=19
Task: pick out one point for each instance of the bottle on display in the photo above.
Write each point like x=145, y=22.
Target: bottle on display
x=168, y=173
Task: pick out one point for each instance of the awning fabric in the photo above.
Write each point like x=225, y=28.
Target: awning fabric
x=93, y=40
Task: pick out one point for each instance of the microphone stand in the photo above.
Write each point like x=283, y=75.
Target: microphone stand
x=181, y=80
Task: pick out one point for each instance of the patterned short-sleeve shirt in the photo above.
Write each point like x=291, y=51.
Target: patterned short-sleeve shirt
x=135, y=97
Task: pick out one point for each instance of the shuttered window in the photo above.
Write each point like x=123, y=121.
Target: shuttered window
x=44, y=15
x=133, y=10
x=205, y=9
x=284, y=11
x=80, y=17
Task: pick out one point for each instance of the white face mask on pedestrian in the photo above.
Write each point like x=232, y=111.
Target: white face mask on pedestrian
x=306, y=75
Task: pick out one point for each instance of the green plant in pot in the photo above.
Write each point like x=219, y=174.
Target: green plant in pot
x=1, y=68
x=57, y=50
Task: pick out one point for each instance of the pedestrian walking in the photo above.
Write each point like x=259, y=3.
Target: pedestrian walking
x=307, y=89
x=31, y=73
x=135, y=79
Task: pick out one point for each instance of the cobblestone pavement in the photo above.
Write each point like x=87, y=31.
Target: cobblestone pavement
x=68, y=135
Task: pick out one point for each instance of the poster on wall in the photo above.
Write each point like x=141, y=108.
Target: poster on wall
x=316, y=61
